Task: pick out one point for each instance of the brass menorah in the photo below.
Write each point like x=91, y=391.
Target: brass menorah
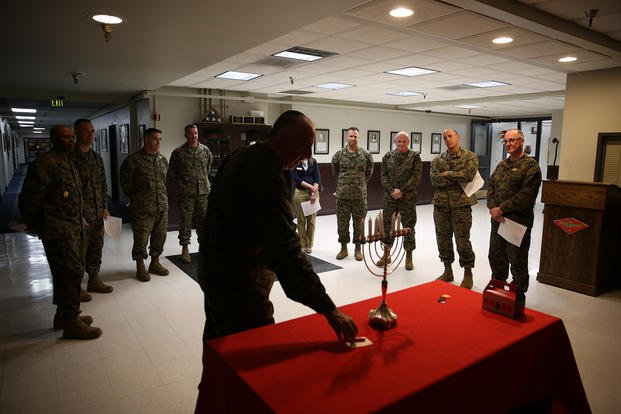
x=385, y=253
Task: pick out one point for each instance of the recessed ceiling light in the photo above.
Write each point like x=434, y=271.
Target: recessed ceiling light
x=487, y=84
x=237, y=75
x=24, y=110
x=38, y=128
x=107, y=19
x=401, y=12
x=468, y=106
x=37, y=132
x=25, y=117
x=502, y=40
x=405, y=93
x=303, y=53
x=333, y=85
x=412, y=71
x=567, y=59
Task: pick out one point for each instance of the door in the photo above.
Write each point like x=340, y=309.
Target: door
x=481, y=144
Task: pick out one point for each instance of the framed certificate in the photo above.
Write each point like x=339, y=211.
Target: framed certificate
x=373, y=141
x=393, y=134
x=416, y=139
x=436, y=143
x=322, y=141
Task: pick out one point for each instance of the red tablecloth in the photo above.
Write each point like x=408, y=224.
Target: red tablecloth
x=451, y=357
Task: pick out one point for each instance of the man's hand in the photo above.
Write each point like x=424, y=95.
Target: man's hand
x=105, y=213
x=344, y=326
x=396, y=194
x=497, y=214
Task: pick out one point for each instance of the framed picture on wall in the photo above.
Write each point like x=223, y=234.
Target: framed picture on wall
x=103, y=134
x=393, y=134
x=141, y=129
x=373, y=141
x=436, y=143
x=322, y=141
x=416, y=139
x=124, y=139
x=344, y=137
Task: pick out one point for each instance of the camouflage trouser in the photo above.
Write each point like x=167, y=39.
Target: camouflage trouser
x=346, y=208
x=457, y=221
x=407, y=208
x=223, y=313
x=192, y=207
x=66, y=260
x=502, y=253
x=148, y=224
x=306, y=224
x=94, y=246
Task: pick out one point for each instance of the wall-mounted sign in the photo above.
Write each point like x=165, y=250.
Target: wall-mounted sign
x=570, y=225
x=58, y=102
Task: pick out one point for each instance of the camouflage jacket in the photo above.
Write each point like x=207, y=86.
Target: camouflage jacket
x=402, y=171
x=90, y=168
x=143, y=179
x=51, y=201
x=189, y=167
x=352, y=170
x=513, y=187
x=461, y=167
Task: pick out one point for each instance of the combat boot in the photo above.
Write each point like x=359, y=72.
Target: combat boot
x=380, y=262
x=85, y=296
x=96, y=285
x=185, y=254
x=156, y=268
x=141, y=272
x=467, y=282
x=447, y=276
x=59, y=322
x=358, y=252
x=343, y=253
x=76, y=329
x=409, y=265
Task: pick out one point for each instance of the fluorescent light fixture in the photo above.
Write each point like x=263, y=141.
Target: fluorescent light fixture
x=304, y=53
x=24, y=110
x=487, y=84
x=401, y=12
x=567, y=59
x=468, y=106
x=297, y=56
x=107, y=19
x=38, y=128
x=31, y=123
x=412, y=71
x=37, y=132
x=24, y=117
x=231, y=74
x=406, y=93
x=503, y=40
x=333, y=85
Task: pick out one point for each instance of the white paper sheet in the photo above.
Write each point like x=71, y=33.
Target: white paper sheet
x=309, y=208
x=512, y=232
x=112, y=226
x=473, y=186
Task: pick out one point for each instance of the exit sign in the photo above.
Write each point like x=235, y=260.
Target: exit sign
x=58, y=102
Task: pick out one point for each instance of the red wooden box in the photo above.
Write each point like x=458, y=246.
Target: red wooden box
x=503, y=298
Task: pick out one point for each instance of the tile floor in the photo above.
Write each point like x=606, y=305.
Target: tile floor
x=148, y=359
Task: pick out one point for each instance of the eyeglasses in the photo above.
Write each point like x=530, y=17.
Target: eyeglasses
x=510, y=140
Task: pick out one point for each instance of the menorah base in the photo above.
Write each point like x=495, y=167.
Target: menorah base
x=382, y=317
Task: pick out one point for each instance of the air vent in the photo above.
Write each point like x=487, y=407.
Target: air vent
x=295, y=92
x=278, y=62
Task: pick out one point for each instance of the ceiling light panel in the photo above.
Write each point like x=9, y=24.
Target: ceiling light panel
x=304, y=54
x=24, y=110
x=24, y=117
x=487, y=84
x=405, y=93
x=412, y=71
x=233, y=75
x=333, y=85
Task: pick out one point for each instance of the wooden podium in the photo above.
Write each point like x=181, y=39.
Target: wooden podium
x=580, y=247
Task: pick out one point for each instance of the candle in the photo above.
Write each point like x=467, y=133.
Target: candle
x=362, y=227
x=398, y=221
x=393, y=223
x=381, y=221
x=377, y=228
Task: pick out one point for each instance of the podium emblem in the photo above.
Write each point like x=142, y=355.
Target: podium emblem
x=570, y=225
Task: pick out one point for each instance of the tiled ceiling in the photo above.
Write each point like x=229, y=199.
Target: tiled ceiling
x=451, y=37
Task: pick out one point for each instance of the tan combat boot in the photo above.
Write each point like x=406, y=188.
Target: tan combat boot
x=409, y=264
x=141, y=272
x=343, y=253
x=96, y=285
x=185, y=254
x=59, y=322
x=85, y=296
x=76, y=329
x=380, y=262
x=156, y=268
x=447, y=276
x=467, y=282
x=358, y=252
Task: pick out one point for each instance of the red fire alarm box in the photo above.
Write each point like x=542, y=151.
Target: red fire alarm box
x=503, y=298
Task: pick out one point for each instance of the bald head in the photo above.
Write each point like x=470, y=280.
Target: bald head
x=402, y=142
x=62, y=137
x=292, y=138
x=451, y=139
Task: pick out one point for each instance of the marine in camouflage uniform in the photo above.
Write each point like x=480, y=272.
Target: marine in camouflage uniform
x=143, y=179
x=50, y=204
x=511, y=194
x=189, y=167
x=352, y=167
x=400, y=177
x=452, y=211
x=90, y=168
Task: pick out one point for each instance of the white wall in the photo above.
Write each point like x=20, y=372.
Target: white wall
x=591, y=106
